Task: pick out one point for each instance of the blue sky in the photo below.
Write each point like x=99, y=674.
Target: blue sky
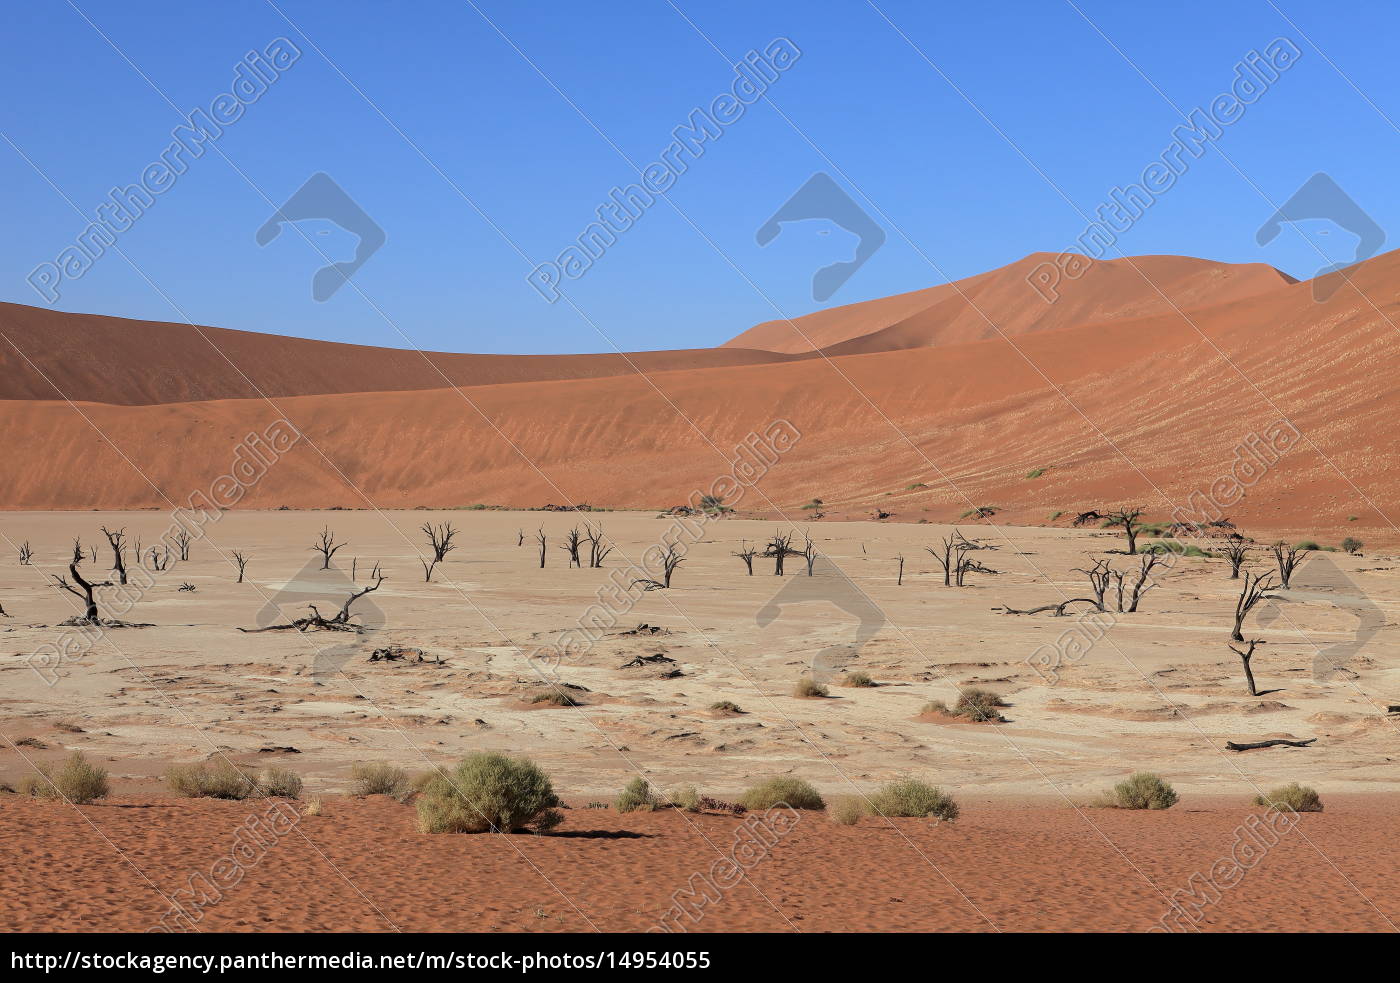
x=953, y=195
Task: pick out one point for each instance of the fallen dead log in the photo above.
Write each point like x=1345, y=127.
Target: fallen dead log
x=1232, y=746
x=1059, y=609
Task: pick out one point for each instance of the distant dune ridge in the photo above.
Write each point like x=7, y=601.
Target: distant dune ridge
x=1138, y=384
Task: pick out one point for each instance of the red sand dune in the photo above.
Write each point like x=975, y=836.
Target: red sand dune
x=1149, y=408
x=362, y=866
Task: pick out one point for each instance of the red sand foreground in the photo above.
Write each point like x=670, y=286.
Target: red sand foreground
x=362, y=866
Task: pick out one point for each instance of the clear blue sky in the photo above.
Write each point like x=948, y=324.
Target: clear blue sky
x=880, y=116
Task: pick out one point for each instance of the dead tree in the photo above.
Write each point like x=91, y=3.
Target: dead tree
x=672, y=558
x=1287, y=557
x=1245, y=656
x=598, y=546
x=809, y=553
x=327, y=547
x=440, y=542
x=160, y=559
x=1084, y=518
x=242, y=562
x=945, y=555
x=952, y=556
x=84, y=591
x=183, y=540
x=899, y=581
x=1126, y=518
x=25, y=554
x=1236, y=551
x=779, y=549
x=1277, y=742
x=1256, y=589
x=520, y=537
x=117, y=540
x=746, y=553
x=1147, y=563
x=544, y=545
x=78, y=555
x=317, y=622
x=1099, y=576
x=572, y=541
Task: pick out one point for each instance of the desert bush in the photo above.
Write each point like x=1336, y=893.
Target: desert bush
x=1036, y=473
x=1180, y=549
x=1299, y=798
x=847, y=810
x=859, y=680
x=74, y=780
x=313, y=806
x=1144, y=790
x=637, y=796
x=488, y=791
x=1308, y=545
x=1352, y=545
x=686, y=797
x=379, y=778
x=727, y=706
x=219, y=780
x=935, y=706
x=978, y=705
x=908, y=797
x=555, y=697
x=280, y=782
x=808, y=688
x=793, y=791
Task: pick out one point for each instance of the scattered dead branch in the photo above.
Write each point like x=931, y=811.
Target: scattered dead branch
x=316, y=621
x=1233, y=746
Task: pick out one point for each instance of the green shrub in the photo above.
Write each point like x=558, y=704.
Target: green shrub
x=808, y=688
x=380, y=778
x=915, y=486
x=1056, y=514
x=979, y=705
x=859, y=680
x=726, y=706
x=488, y=791
x=847, y=810
x=1352, y=545
x=74, y=780
x=1299, y=798
x=1030, y=475
x=1180, y=549
x=1307, y=545
x=220, y=779
x=908, y=797
x=282, y=783
x=790, y=791
x=1144, y=790
x=637, y=796
x=685, y=797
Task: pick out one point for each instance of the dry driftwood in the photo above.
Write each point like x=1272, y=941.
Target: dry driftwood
x=316, y=621
x=1232, y=746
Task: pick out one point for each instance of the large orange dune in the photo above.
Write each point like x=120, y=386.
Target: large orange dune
x=1117, y=396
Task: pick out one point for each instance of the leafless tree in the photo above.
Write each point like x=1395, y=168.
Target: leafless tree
x=1147, y=562
x=544, y=545
x=1245, y=656
x=242, y=562
x=899, y=581
x=26, y=554
x=326, y=546
x=1236, y=551
x=672, y=558
x=1256, y=589
x=573, y=539
x=520, y=537
x=183, y=540
x=84, y=591
x=598, y=546
x=1126, y=519
x=746, y=553
x=809, y=553
x=160, y=558
x=1099, y=576
x=1287, y=557
x=316, y=621
x=117, y=540
x=78, y=555
x=440, y=542
x=953, y=556
x=1084, y=518
x=779, y=549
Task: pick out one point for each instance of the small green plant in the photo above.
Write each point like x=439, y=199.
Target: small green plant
x=1056, y=514
x=859, y=680
x=1307, y=545
x=981, y=512
x=1352, y=518
x=74, y=781
x=1144, y=790
x=220, y=780
x=1299, y=798
x=1031, y=475
x=808, y=688
x=915, y=486
x=1352, y=545
x=380, y=778
x=911, y=798
x=979, y=705
x=793, y=792
x=489, y=792
x=847, y=810
x=637, y=796
x=725, y=706
x=1180, y=549
x=282, y=783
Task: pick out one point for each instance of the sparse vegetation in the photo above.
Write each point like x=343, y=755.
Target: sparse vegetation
x=808, y=688
x=1036, y=473
x=555, y=696
x=793, y=792
x=911, y=798
x=859, y=680
x=220, y=780
x=725, y=706
x=75, y=781
x=1352, y=545
x=847, y=810
x=1299, y=798
x=489, y=792
x=685, y=797
x=1143, y=790
x=979, y=705
x=936, y=706
x=981, y=512
x=638, y=796
x=379, y=778
x=282, y=783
